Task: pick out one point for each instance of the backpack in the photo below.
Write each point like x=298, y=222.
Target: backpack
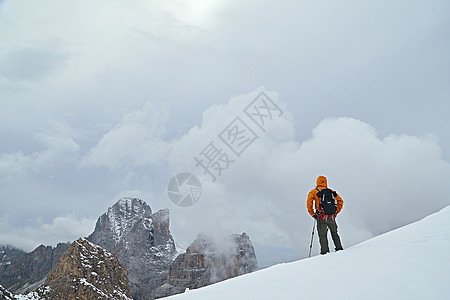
x=327, y=201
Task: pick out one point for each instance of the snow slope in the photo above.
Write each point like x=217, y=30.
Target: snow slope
x=412, y=262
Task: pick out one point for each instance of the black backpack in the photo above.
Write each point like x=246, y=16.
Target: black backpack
x=327, y=201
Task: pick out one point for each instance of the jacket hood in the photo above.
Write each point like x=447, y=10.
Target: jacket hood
x=321, y=182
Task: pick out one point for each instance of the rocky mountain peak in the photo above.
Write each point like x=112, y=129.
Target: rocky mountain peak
x=207, y=260
x=86, y=271
x=141, y=240
x=124, y=214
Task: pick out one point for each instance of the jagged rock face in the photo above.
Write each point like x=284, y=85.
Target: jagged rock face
x=9, y=254
x=141, y=240
x=208, y=260
x=86, y=271
x=23, y=272
x=5, y=294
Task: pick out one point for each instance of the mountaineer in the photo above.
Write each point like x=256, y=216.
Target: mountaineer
x=324, y=205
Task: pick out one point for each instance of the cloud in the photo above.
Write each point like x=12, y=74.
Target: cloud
x=218, y=118
x=62, y=229
x=199, y=13
x=137, y=139
x=59, y=149
x=45, y=182
x=124, y=53
x=29, y=64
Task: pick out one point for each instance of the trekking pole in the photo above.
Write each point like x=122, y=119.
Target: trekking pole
x=312, y=238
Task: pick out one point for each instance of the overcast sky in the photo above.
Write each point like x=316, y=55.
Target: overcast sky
x=110, y=98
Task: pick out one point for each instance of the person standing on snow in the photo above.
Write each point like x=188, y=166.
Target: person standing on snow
x=325, y=212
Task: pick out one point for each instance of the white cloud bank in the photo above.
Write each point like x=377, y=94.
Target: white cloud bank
x=136, y=140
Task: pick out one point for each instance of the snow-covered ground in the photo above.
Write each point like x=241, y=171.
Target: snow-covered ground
x=412, y=262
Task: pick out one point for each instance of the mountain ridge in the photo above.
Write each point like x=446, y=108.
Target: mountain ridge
x=143, y=244
x=29, y=270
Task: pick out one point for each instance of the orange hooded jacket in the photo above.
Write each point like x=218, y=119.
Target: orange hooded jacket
x=321, y=183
